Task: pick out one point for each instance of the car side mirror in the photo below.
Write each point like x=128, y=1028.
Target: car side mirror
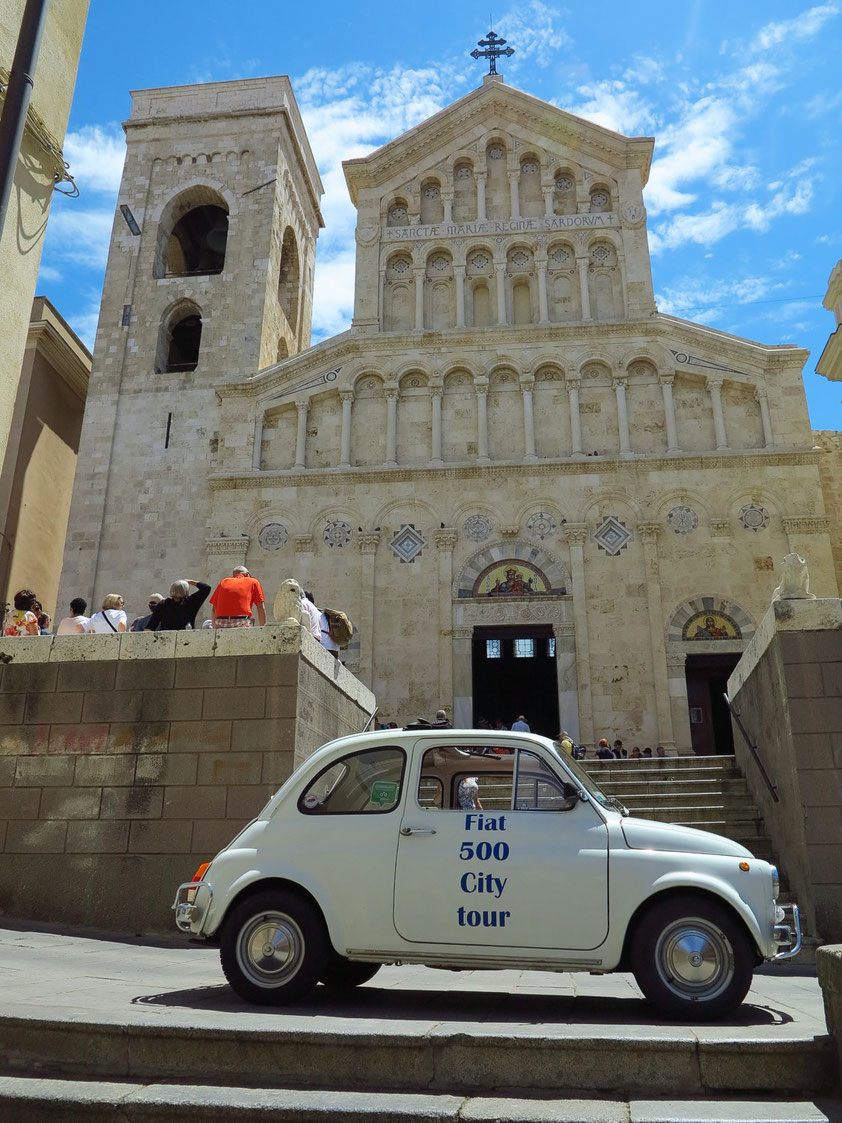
x=584, y=797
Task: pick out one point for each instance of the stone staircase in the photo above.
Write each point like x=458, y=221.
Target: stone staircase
x=707, y=792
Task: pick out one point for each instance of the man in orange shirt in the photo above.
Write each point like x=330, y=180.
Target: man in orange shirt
x=233, y=599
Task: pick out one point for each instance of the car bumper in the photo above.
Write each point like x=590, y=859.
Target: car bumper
x=191, y=906
x=787, y=935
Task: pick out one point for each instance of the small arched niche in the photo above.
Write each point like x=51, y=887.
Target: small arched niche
x=432, y=205
x=179, y=339
x=464, y=192
x=193, y=234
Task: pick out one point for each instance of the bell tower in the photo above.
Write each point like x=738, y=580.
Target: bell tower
x=209, y=279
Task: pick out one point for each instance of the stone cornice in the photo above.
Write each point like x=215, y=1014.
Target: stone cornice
x=316, y=477
x=238, y=546
x=808, y=525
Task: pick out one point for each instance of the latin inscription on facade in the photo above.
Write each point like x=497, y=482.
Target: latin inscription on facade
x=500, y=226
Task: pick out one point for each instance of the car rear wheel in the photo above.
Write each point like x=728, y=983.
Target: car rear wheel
x=343, y=974
x=273, y=948
x=692, y=958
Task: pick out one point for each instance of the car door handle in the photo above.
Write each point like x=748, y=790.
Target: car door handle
x=417, y=830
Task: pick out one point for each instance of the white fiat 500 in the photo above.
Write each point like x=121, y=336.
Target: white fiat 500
x=439, y=848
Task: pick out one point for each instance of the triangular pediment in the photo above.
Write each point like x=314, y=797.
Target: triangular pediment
x=464, y=124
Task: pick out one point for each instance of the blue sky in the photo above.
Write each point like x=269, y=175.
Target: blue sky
x=744, y=100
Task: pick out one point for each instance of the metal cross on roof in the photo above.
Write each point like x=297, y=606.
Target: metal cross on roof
x=496, y=48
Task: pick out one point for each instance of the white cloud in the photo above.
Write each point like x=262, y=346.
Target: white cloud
x=95, y=155
x=705, y=300
x=801, y=27
x=79, y=236
x=532, y=29
x=615, y=105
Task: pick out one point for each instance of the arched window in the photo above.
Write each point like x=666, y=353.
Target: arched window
x=179, y=339
x=600, y=197
x=464, y=192
x=564, y=194
x=197, y=242
x=432, y=207
x=498, y=200
x=397, y=213
x=530, y=193
x=288, y=282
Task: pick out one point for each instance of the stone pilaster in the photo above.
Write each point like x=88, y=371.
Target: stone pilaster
x=648, y=535
x=576, y=535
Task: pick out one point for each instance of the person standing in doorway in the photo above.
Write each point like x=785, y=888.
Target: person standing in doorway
x=234, y=598
x=521, y=725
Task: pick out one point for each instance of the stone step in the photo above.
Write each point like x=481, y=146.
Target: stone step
x=677, y=788
x=706, y=763
x=23, y=1100
x=695, y=812
x=668, y=796
x=542, y=1060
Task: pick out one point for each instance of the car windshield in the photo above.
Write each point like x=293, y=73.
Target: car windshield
x=586, y=780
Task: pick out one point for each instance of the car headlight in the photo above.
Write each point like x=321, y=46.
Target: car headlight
x=776, y=883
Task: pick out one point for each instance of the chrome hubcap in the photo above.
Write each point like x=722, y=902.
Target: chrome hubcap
x=694, y=958
x=270, y=949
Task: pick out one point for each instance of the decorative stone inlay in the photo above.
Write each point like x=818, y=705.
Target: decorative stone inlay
x=479, y=261
x=273, y=536
x=612, y=536
x=400, y=266
x=600, y=199
x=464, y=173
x=223, y=545
x=541, y=525
x=431, y=192
x=683, y=520
x=496, y=152
x=477, y=528
x=564, y=183
x=806, y=525
x=560, y=256
x=754, y=517
x=529, y=167
x=440, y=262
x=407, y=543
x=519, y=258
x=398, y=214
x=337, y=534
x=601, y=254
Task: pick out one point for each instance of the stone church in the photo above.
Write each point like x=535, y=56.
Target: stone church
x=530, y=490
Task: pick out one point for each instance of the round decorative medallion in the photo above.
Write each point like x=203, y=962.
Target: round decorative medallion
x=477, y=528
x=496, y=152
x=754, y=517
x=564, y=182
x=431, y=191
x=541, y=525
x=601, y=254
x=273, y=536
x=415, y=383
x=400, y=266
x=337, y=534
x=398, y=214
x=529, y=167
x=683, y=520
x=600, y=199
x=464, y=172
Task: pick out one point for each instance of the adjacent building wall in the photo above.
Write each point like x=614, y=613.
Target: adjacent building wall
x=125, y=761
x=26, y=220
x=787, y=689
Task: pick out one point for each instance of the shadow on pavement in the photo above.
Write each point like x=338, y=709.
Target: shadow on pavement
x=456, y=1006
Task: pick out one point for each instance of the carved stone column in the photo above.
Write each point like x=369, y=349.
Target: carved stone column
x=303, y=546
x=666, y=381
x=481, y=181
x=622, y=415
x=435, y=402
x=514, y=193
x=347, y=397
x=543, y=303
x=526, y=388
x=391, y=426
x=368, y=548
x=500, y=273
x=419, y=298
x=459, y=274
x=301, y=436
x=445, y=541
x=463, y=698
x=762, y=398
x=648, y=534
x=576, y=534
x=679, y=702
x=573, y=385
x=582, y=267
x=548, y=193
x=715, y=391
x=482, y=420
x=257, y=449
x=568, y=690
x=447, y=200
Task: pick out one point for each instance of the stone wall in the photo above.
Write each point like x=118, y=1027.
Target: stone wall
x=125, y=761
x=787, y=689
x=830, y=473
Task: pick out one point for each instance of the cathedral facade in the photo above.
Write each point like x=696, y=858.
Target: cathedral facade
x=531, y=491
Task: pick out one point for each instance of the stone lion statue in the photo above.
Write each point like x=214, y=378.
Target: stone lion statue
x=795, y=580
x=287, y=608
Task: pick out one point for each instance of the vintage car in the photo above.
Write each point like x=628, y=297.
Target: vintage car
x=443, y=847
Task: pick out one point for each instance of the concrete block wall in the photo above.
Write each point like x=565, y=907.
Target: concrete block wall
x=125, y=761
x=787, y=689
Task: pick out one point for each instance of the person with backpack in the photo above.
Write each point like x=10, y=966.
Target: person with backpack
x=336, y=630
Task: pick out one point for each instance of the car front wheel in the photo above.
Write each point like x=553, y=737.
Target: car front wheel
x=692, y=958
x=273, y=948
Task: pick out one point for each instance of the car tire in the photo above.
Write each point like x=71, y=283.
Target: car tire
x=274, y=948
x=692, y=958
x=344, y=974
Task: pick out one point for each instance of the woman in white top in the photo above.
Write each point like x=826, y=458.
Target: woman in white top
x=111, y=619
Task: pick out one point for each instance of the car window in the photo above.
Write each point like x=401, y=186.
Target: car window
x=537, y=786
x=367, y=782
x=466, y=778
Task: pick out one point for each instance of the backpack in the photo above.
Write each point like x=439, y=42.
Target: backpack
x=339, y=626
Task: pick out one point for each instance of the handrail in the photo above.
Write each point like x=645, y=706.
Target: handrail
x=371, y=718
x=773, y=791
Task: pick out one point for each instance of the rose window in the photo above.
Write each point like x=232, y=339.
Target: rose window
x=529, y=167
x=398, y=214
x=464, y=173
x=495, y=152
x=431, y=192
x=600, y=199
x=564, y=183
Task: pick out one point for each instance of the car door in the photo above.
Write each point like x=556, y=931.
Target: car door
x=522, y=866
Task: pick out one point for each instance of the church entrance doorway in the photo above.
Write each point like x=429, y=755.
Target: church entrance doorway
x=710, y=720
x=514, y=672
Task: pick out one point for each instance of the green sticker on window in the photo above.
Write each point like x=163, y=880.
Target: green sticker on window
x=384, y=792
